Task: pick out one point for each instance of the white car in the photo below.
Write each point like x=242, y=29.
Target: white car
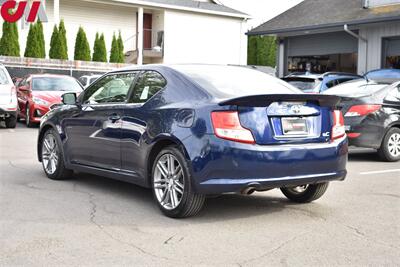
x=88, y=80
x=8, y=99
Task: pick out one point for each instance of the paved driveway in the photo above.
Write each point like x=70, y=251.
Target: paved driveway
x=94, y=221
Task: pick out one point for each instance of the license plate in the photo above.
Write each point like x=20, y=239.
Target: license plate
x=294, y=126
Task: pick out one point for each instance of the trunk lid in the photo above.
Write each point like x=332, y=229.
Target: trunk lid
x=283, y=119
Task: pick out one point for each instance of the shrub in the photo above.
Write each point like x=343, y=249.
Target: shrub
x=121, y=58
x=114, y=56
x=99, y=50
x=63, y=40
x=33, y=42
x=9, y=43
x=82, y=48
x=41, y=41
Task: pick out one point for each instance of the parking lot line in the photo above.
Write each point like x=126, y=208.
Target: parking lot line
x=380, y=172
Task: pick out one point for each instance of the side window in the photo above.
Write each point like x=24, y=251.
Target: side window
x=82, y=80
x=331, y=84
x=113, y=88
x=148, y=85
x=344, y=80
x=394, y=94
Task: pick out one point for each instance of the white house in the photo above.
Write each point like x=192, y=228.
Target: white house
x=154, y=31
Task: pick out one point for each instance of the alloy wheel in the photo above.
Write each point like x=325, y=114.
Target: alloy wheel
x=27, y=116
x=394, y=145
x=50, y=154
x=168, y=182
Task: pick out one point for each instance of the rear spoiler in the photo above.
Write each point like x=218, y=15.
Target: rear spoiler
x=266, y=100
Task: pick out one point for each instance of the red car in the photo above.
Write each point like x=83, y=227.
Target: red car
x=38, y=93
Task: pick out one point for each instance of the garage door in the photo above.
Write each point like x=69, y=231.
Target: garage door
x=322, y=44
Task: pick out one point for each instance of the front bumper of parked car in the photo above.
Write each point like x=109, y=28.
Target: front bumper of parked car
x=38, y=111
x=227, y=167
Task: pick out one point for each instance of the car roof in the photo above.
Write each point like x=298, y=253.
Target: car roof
x=47, y=75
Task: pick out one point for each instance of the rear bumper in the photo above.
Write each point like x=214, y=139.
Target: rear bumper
x=225, y=167
x=5, y=113
x=364, y=132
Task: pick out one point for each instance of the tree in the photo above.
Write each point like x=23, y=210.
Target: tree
x=262, y=51
x=114, y=56
x=9, y=43
x=121, y=58
x=63, y=41
x=54, y=52
x=82, y=48
x=33, y=42
x=99, y=49
x=41, y=41
x=252, y=50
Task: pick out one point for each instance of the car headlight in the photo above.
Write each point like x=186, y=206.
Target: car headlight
x=40, y=101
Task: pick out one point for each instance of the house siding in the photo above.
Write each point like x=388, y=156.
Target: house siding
x=370, y=52
x=200, y=38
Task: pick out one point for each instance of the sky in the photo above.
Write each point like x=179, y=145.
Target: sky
x=260, y=10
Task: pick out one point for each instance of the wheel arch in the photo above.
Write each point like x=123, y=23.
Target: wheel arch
x=157, y=146
x=43, y=130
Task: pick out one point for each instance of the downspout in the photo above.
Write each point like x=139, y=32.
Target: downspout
x=346, y=29
x=359, y=37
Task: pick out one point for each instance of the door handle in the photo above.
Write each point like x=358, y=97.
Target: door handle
x=114, y=117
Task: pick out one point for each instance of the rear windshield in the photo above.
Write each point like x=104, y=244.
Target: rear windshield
x=56, y=84
x=229, y=81
x=4, y=78
x=304, y=85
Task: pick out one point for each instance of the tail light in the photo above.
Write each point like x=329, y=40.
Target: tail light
x=227, y=126
x=338, y=129
x=362, y=110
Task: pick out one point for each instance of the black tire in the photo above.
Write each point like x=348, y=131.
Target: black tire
x=61, y=172
x=28, y=122
x=311, y=193
x=384, y=150
x=191, y=202
x=11, y=122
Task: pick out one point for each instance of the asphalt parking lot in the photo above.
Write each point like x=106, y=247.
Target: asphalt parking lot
x=91, y=221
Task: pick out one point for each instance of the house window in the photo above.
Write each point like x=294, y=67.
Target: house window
x=391, y=53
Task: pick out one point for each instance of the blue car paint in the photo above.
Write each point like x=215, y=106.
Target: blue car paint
x=180, y=114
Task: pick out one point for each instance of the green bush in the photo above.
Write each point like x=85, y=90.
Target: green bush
x=121, y=57
x=63, y=40
x=99, y=49
x=35, y=46
x=54, y=52
x=261, y=51
x=114, y=56
x=41, y=40
x=82, y=48
x=58, y=43
x=9, y=43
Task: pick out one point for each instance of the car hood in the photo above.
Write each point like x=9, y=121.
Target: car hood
x=52, y=97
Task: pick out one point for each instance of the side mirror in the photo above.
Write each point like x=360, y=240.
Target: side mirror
x=69, y=99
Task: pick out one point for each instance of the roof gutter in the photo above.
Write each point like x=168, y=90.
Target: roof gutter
x=324, y=26
x=346, y=29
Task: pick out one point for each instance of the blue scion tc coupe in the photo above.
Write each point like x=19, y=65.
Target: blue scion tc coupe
x=191, y=131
